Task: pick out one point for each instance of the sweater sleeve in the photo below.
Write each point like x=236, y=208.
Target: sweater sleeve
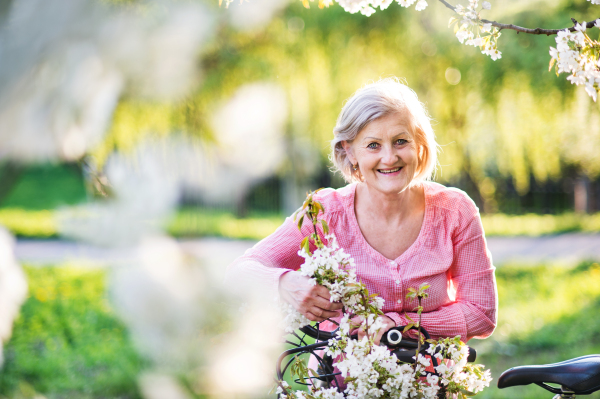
x=263, y=264
x=473, y=312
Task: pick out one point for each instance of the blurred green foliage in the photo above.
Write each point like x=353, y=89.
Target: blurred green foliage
x=506, y=119
x=547, y=314
x=67, y=342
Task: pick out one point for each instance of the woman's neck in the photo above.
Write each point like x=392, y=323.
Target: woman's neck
x=389, y=208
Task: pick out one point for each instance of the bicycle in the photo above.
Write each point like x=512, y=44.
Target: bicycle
x=404, y=348
x=578, y=376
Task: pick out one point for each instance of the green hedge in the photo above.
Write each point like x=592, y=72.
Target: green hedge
x=67, y=342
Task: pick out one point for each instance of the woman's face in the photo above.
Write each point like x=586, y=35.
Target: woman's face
x=386, y=153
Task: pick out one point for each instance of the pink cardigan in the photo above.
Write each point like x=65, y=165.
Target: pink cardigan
x=450, y=254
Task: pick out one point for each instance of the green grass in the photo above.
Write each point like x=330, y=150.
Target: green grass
x=29, y=223
x=67, y=342
x=537, y=225
x=547, y=314
x=198, y=222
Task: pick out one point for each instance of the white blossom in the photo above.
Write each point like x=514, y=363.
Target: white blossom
x=421, y=5
x=572, y=56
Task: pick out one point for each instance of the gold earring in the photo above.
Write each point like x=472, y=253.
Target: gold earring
x=355, y=167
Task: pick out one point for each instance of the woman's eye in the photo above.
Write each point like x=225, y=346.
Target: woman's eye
x=372, y=146
x=401, y=141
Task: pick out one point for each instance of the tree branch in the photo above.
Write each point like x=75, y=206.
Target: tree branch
x=536, y=31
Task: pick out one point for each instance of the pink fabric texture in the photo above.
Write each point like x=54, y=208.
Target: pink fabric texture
x=450, y=254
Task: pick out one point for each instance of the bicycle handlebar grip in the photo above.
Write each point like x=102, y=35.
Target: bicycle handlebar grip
x=472, y=355
x=393, y=337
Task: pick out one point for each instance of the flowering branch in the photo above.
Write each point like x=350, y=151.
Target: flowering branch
x=582, y=62
x=536, y=31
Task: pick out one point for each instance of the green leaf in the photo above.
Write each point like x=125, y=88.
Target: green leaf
x=306, y=245
x=303, y=243
x=300, y=223
x=325, y=226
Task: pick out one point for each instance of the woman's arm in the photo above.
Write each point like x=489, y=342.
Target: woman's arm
x=269, y=268
x=262, y=265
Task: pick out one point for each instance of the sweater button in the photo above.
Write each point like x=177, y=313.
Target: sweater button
x=397, y=282
x=393, y=263
x=399, y=301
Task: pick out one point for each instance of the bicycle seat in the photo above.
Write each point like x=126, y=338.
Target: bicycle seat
x=580, y=375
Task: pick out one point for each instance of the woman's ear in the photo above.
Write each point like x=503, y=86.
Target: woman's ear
x=348, y=148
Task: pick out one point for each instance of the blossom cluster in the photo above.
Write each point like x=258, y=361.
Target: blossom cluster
x=472, y=31
x=578, y=55
x=456, y=372
x=367, y=7
x=370, y=370
x=332, y=268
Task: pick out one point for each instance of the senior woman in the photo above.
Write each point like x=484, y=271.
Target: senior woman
x=401, y=229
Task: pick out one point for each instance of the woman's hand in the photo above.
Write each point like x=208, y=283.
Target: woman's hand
x=310, y=300
x=359, y=321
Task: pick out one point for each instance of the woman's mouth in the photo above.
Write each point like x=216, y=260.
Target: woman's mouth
x=389, y=171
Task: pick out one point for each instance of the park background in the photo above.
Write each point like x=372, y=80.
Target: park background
x=519, y=140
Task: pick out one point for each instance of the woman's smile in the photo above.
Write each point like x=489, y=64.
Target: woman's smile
x=391, y=172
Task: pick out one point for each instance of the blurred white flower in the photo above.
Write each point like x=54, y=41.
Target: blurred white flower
x=249, y=129
x=242, y=360
x=13, y=286
x=183, y=317
x=253, y=14
x=67, y=62
x=161, y=386
x=145, y=189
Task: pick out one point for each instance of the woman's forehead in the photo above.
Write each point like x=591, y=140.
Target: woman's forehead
x=395, y=124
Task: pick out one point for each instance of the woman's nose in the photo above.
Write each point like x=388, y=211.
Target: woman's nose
x=389, y=156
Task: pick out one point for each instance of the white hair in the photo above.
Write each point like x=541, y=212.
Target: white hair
x=373, y=101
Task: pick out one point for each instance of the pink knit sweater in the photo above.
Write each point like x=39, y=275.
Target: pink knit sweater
x=450, y=254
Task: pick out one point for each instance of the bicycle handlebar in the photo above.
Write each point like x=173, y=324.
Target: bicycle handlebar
x=392, y=338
